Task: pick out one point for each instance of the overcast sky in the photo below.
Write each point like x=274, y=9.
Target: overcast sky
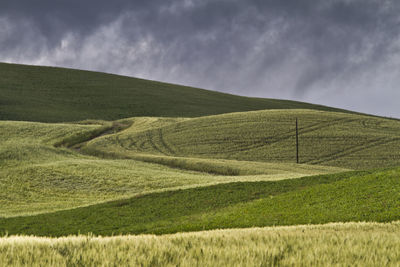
x=342, y=53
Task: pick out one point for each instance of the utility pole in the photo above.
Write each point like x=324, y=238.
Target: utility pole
x=297, y=142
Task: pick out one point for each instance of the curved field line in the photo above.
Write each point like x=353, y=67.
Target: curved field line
x=352, y=150
x=151, y=142
x=377, y=125
x=304, y=130
x=288, y=135
x=261, y=142
x=164, y=144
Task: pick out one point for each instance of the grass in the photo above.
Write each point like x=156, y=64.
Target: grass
x=38, y=173
x=345, y=197
x=47, y=94
x=150, y=157
x=326, y=138
x=349, y=244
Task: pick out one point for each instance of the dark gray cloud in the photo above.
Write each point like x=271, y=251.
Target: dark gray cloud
x=343, y=53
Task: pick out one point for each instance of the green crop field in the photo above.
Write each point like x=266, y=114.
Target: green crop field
x=354, y=196
x=49, y=94
x=85, y=155
x=38, y=174
x=326, y=138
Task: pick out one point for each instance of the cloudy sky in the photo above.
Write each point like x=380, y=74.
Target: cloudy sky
x=343, y=53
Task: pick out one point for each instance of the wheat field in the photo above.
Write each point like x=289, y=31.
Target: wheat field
x=338, y=244
x=106, y=170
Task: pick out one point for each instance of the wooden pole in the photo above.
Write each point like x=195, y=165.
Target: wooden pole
x=297, y=142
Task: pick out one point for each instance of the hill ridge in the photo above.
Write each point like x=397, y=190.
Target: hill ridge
x=54, y=94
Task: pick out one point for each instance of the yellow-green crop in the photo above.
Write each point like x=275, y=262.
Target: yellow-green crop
x=350, y=244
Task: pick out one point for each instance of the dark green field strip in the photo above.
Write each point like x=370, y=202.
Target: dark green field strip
x=168, y=211
x=49, y=94
x=371, y=197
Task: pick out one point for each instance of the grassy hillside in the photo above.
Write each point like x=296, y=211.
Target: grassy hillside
x=358, y=196
x=110, y=155
x=38, y=174
x=48, y=94
x=43, y=168
x=326, y=138
x=349, y=244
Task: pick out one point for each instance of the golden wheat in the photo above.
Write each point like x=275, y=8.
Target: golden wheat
x=338, y=244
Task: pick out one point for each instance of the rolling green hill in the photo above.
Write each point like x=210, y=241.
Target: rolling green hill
x=354, y=196
x=93, y=153
x=54, y=166
x=325, y=138
x=38, y=175
x=48, y=94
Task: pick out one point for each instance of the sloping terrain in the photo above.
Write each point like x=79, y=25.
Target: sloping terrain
x=48, y=94
x=107, y=154
x=49, y=167
x=38, y=174
x=358, y=196
x=325, y=138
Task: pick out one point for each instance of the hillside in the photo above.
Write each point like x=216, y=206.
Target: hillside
x=325, y=138
x=54, y=166
x=358, y=196
x=99, y=154
x=37, y=175
x=48, y=94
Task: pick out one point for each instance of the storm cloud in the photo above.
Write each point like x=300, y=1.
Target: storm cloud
x=344, y=53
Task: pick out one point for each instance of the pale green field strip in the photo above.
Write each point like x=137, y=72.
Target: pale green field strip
x=338, y=244
x=73, y=183
x=38, y=177
x=325, y=138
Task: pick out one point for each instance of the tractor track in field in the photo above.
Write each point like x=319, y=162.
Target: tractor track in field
x=164, y=144
x=239, y=145
x=161, y=146
x=286, y=136
x=352, y=150
x=149, y=137
x=356, y=148
x=77, y=142
x=155, y=140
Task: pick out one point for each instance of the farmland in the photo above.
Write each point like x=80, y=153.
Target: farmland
x=38, y=176
x=98, y=162
x=363, y=244
x=354, y=196
x=48, y=94
x=326, y=138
